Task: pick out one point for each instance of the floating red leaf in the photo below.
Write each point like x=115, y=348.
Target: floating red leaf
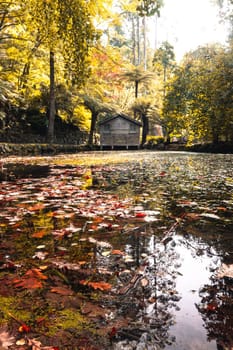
x=112, y=333
x=24, y=328
x=211, y=306
x=140, y=215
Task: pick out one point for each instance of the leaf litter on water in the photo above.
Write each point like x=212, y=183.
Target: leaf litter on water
x=104, y=214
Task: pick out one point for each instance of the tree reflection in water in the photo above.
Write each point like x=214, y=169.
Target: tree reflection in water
x=155, y=296
x=216, y=308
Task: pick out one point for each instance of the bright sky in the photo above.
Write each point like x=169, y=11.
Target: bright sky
x=187, y=24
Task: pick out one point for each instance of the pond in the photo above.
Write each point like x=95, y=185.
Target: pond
x=138, y=244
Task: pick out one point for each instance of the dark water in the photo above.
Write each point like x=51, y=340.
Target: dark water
x=197, y=190
x=181, y=205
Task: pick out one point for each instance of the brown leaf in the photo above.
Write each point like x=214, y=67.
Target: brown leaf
x=31, y=279
x=93, y=310
x=62, y=291
x=28, y=283
x=225, y=271
x=192, y=216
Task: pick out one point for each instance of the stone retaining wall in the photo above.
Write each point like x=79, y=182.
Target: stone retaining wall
x=9, y=149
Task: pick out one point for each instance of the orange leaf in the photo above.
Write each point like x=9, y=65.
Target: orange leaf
x=51, y=214
x=117, y=252
x=98, y=219
x=36, y=273
x=222, y=208
x=100, y=285
x=96, y=285
x=31, y=279
x=84, y=282
x=39, y=234
x=37, y=206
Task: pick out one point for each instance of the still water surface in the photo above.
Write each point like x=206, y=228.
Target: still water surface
x=185, y=235
x=189, y=329
x=201, y=186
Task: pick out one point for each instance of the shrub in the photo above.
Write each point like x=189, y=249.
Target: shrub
x=152, y=141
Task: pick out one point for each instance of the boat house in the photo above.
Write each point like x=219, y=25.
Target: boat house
x=119, y=130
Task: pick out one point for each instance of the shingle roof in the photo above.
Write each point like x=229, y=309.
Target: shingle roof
x=119, y=115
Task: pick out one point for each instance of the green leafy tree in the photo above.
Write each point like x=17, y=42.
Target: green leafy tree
x=175, y=112
x=9, y=100
x=64, y=26
x=164, y=59
x=199, y=97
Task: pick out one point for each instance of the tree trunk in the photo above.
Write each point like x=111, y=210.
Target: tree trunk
x=24, y=76
x=50, y=135
x=164, y=80
x=156, y=31
x=145, y=129
x=136, y=89
x=144, y=43
x=92, y=129
x=138, y=41
x=168, y=137
x=215, y=137
x=134, y=41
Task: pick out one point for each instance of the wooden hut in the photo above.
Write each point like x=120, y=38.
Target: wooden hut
x=119, y=130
